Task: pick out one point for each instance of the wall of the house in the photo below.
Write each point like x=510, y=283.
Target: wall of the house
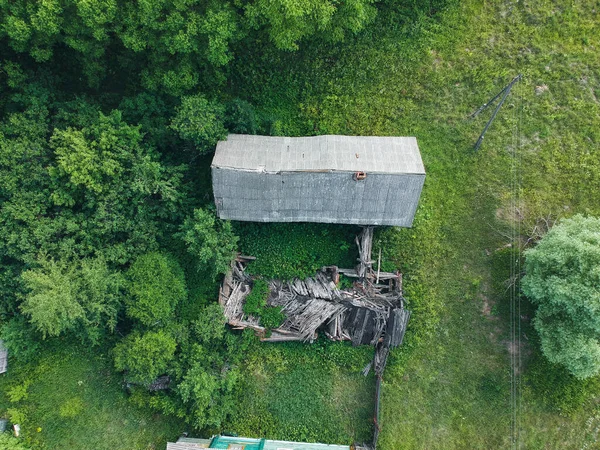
x=329, y=197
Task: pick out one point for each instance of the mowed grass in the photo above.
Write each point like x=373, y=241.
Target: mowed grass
x=72, y=399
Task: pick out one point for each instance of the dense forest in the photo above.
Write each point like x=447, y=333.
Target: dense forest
x=111, y=253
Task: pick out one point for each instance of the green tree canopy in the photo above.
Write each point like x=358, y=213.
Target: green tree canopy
x=210, y=240
x=9, y=442
x=182, y=44
x=209, y=394
x=210, y=326
x=563, y=279
x=63, y=296
x=145, y=356
x=200, y=122
x=290, y=21
x=156, y=286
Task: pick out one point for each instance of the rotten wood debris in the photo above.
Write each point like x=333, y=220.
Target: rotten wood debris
x=371, y=312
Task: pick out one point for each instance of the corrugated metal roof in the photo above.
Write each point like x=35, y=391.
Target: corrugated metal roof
x=189, y=444
x=371, y=154
x=333, y=197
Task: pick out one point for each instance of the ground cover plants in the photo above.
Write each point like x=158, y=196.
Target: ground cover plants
x=106, y=130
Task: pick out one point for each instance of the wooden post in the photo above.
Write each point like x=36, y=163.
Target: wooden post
x=378, y=265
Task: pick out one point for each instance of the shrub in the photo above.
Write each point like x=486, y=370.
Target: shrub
x=257, y=299
x=156, y=286
x=240, y=117
x=8, y=442
x=210, y=326
x=210, y=241
x=20, y=339
x=200, y=121
x=144, y=356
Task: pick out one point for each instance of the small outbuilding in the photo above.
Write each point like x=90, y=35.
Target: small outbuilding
x=241, y=443
x=331, y=179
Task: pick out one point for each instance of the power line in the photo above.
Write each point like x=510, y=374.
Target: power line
x=504, y=92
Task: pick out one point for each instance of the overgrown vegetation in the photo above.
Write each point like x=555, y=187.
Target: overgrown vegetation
x=256, y=305
x=288, y=250
x=109, y=112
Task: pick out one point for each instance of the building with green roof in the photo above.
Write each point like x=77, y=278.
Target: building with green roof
x=241, y=443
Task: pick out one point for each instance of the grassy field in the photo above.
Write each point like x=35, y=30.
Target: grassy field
x=71, y=398
x=449, y=386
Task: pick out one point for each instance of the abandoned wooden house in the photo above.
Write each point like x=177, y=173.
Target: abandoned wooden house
x=371, y=312
x=331, y=179
x=354, y=180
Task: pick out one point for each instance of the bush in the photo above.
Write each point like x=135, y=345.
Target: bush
x=210, y=326
x=240, y=117
x=20, y=339
x=144, y=356
x=563, y=279
x=156, y=286
x=8, y=442
x=257, y=299
x=200, y=121
x=210, y=241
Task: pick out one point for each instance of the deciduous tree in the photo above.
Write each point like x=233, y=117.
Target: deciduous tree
x=145, y=356
x=156, y=286
x=210, y=240
x=64, y=296
x=563, y=279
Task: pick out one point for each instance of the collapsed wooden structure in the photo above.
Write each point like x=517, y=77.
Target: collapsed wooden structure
x=371, y=312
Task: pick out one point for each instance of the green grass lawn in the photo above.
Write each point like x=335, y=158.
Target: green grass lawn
x=72, y=399
x=307, y=392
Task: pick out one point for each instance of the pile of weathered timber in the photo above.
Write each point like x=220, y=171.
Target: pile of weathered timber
x=232, y=295
x=370, y=312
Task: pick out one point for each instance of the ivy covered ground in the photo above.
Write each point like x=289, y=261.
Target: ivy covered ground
x=416, y=70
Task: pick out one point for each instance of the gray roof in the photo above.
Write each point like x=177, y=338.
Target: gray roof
x=189, y=444
x=274, y=179
x=336, y=153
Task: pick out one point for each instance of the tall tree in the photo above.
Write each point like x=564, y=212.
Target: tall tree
x=210, y=241
x=64, y=296
x=200, y=122
x=290, y=21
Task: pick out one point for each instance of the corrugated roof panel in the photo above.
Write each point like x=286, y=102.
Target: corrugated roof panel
x=331, y=197
x=347, y=153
